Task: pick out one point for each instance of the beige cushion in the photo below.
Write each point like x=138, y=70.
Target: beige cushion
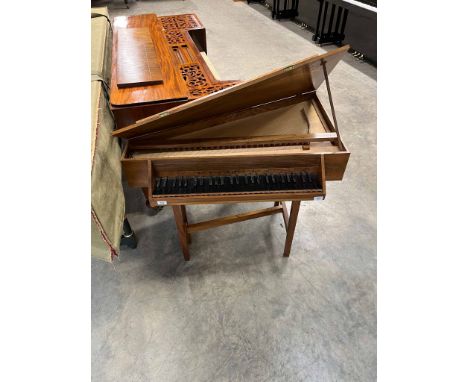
x=107, y=198
x=100, y=11
x=101, y=43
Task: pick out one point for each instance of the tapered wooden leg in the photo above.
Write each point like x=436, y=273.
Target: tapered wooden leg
x=285, y=214
x=184, y=216
x=291, y=227
x=181, y=230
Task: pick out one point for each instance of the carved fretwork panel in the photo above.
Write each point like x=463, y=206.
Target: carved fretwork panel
x=179, y=22
x=193, y=75
x=208, y=89
x=179, y=44
x=197, y=83
x=174, y=37
x=176, y=32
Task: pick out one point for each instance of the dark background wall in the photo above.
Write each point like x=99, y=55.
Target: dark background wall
x=361, y=25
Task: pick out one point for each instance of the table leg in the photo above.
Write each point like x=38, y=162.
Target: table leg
x=291, y=227
x=184, y=216
x=181, y=230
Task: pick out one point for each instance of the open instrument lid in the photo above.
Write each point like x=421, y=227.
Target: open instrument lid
x=301, y=77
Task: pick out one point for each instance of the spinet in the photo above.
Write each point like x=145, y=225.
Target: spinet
x=158, y=63
x=267, y=139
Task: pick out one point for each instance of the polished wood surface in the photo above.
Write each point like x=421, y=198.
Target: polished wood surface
x=291, y=227
x=137, y=63
x=184, y=229
x=177, y=44
x=143, y=171
x=296, y=80
x=213, y=223
x=172, y=87
x=181, y=223
x=273, y=126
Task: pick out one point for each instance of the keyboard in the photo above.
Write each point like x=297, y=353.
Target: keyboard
x=181, y=185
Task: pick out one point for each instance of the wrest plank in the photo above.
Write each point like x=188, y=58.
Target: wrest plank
x=137, y=61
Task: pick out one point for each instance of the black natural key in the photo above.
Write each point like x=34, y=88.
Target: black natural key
x=191, y=184
x=182, y=185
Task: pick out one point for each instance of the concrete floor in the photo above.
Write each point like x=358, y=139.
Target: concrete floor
x=238, y=311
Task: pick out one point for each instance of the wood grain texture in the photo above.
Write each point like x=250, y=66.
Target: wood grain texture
x=181, y=225
x=156, y=144
x=184, y=229
x=240, y=130
x=200, y=226
x=285, y=214
x=292, y=220
x=184, y=217
x=205, y=123
x=301, y=77
x=236, y=164
x=235, y=198
x=177, y=42
x=137, y=62
x=173, y=86
x=136, y=172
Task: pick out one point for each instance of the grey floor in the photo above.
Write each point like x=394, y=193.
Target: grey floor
x=239, y=311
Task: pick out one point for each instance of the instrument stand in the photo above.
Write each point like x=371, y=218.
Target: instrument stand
x=330, y=36
x=288, y=12
x=184, y=229
x=285, y=13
